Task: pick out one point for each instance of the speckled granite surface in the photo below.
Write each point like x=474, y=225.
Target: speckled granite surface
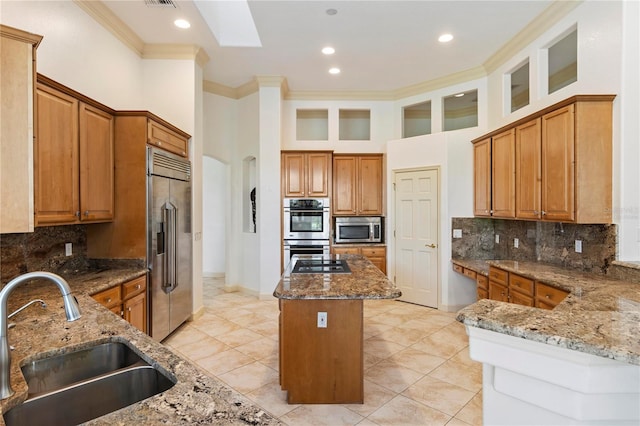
x=195, y=399
x=601, y=315
x=364, y=282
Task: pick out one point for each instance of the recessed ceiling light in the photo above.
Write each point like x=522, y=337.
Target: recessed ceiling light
x=331, y=12
x=459, y=95
x=334, y=70
x=182, y=23
x=445, y=38
x=328, y=50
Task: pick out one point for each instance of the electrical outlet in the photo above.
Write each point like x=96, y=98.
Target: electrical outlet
x=68, y=249
x=578, y=246
x=457, y=233
x=497, y=238
x=516, y=243
x=322, y=320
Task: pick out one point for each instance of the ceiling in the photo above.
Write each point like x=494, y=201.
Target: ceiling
x=380, y=45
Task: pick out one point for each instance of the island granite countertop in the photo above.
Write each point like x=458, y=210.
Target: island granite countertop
x=600, y=316
x=196, y=398
x=365, y=281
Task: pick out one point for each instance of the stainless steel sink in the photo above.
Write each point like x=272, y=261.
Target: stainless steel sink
x=55, y=372
x=84, y=385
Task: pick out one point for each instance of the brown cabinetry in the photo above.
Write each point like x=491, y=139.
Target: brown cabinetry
x=163, y=137
x=357, y=185
x=503, y=194
x=482, y=284
x=377, y=255
x=17, y=83
x=74, y=160
x=306, y=174
x=563, y=163
x=125, y=237
x=548, y=297
x=482, y=178
x=129, y=300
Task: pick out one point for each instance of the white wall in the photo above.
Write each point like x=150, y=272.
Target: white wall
x=215, y=200
x=78, y=52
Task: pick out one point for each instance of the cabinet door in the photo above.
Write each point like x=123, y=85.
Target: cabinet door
x=520, y=299
x=344, y=185
x=498, y=292
x=96, y=164
x=135, y=311
x=369, y=191
x=528, y=170
x=318, y=174
x=558, y=165
x=503, y=188
x=56, y=158
x=482, y=178
x=293, y=174
x=165, y=138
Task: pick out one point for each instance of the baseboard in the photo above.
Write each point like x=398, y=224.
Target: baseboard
x=212, y=274
x=197, y=314
x=451, y=308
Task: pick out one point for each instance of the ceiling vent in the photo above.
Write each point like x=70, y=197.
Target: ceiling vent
x=160, y=3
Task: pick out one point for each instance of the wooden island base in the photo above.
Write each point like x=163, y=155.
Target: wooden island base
x=322, y=365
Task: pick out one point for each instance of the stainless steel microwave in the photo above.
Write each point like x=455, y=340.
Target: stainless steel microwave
x=359, y=229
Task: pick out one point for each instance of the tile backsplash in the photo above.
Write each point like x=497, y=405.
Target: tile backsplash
x=552, y=243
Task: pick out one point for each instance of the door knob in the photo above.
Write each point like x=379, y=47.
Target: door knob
x=431, y=245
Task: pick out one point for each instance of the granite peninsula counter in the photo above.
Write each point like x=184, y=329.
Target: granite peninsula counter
x=196, y=398
x=321, y=326
x=578, y=363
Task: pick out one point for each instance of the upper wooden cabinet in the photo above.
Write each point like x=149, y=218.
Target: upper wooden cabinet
x=163, y=137
x=357, y=185
x=306, y=174
x=563, y=163
x=17, y=82
x=503, y=179
x=74, y=163
x=482, y=178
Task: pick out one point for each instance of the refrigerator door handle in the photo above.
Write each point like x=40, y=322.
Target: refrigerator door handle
x=169, y=217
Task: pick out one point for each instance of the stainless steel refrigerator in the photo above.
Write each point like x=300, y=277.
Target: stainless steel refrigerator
x=168, y=241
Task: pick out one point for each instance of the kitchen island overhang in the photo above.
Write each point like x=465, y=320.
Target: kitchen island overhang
x=321, y=329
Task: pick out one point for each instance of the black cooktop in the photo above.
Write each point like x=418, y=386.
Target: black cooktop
x=321, y=266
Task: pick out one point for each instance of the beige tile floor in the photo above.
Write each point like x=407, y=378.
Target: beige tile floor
x=417, y=367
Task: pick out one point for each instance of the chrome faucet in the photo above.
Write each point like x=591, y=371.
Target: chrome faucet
x=71, y=308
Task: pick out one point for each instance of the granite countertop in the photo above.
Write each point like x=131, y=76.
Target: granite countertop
x=480, y=266
x=365, y=281
x=40, y=332
x=600, y=316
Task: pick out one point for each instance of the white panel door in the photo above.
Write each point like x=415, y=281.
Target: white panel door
x=416, y=236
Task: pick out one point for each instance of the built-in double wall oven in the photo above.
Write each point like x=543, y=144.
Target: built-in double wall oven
x=306, y=227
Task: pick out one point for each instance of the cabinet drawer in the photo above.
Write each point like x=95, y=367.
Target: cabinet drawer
x=521, y=284
x=457, y=268
x=483, y=293
x=498, y=275
x=345, y=250
x=548, y=295
x=520, y=299
x=482, y=282
x=374, y=251
x=109, y=298
x=469, y=273
x=133, y=287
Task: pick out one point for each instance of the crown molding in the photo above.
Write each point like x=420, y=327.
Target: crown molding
x=20, y=35
x=541, y=23
x=105, y=17
x=175, y=51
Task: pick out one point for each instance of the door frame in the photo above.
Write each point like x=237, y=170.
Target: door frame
x=391, y=233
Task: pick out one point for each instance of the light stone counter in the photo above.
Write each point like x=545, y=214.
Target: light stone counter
x=196, y=397
x=365, y=281
x=601, y=316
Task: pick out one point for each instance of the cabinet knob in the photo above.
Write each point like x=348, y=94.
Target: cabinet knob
x=543, y=213
x=159, y=143
x=138, y=287
x=86, y=212
x=108, y=300
x=78, y=214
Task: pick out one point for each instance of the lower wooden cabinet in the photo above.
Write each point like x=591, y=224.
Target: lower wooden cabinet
x=548, y=297
x=482, y=284
x=129, y=300
x=376, y=254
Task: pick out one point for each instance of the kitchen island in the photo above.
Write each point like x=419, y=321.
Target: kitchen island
x=321, y=327
x=576, y=364
x=195, y=398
